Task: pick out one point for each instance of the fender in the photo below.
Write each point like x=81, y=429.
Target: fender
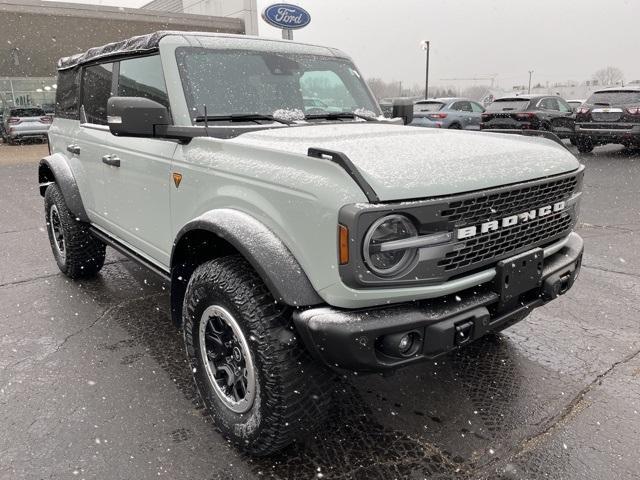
x=55, y=168
x=266, y=253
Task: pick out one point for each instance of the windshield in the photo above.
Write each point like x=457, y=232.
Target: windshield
x=233, y=82
x=428, y=107
x=508, y=105
x=614, y=97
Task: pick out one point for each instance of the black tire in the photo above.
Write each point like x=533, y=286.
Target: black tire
x=78, y=254
x=585, y=145
x=292, y=391
x=455, y=126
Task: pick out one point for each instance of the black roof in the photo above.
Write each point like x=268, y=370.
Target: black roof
x=139, y=44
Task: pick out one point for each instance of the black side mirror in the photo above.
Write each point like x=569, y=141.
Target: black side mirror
x=135, y=116
x=403, y=108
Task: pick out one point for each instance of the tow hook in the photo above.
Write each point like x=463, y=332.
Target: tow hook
x=463, y=333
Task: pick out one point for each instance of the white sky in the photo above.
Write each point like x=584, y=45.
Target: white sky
x=558, y=39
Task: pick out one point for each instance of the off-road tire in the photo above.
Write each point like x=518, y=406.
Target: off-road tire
x=83, y=253
x=293, y=392
x=585, y=145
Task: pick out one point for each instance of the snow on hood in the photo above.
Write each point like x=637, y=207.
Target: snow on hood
x=403, y=163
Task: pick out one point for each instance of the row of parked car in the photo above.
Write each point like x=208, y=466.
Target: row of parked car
x=610, y=115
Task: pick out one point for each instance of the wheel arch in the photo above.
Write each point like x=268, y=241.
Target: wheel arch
x=55, y=169
x=225, y=232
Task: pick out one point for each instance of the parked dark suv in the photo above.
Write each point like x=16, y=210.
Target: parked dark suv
x=530, y=112
x=610, y=115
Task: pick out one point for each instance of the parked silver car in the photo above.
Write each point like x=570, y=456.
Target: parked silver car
x=457, y=113
x=20, y=123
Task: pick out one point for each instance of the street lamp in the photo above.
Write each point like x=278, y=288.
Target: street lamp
x=530, y=73
x=426, y=46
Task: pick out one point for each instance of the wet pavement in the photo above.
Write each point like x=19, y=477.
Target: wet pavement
x=93, y=382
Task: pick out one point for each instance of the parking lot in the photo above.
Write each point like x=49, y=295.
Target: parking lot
x=93, y=381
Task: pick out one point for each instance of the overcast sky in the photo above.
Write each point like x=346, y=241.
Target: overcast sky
x=558, y=39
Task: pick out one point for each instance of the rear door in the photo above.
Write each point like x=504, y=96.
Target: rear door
x=91, y=142
x=138, y=190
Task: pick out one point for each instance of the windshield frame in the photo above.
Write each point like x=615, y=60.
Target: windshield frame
x=189, y=99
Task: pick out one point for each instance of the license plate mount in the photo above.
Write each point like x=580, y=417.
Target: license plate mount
x=519, y=274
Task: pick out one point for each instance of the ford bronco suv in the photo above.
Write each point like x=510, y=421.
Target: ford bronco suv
x=297, y=244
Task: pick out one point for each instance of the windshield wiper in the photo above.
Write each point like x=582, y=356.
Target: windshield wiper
x=240, y=117
x=338, y=115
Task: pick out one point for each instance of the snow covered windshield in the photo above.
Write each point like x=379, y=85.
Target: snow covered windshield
x=241, y=82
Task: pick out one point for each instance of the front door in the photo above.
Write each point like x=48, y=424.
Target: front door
x=138, y=170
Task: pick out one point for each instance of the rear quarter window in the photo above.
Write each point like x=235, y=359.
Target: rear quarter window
x=67, y=93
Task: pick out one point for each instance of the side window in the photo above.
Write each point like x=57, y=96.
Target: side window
x=548, y=104
x=143, y=77
x=96, y=90
x=563, y=106
x=67, y=93
x=476, y=107
x=461, y=106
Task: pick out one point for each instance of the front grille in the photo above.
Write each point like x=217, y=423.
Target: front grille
x=500, y=244
x=488, y=207
x=496, y=245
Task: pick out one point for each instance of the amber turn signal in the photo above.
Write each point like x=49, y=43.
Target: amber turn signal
x=343, y=244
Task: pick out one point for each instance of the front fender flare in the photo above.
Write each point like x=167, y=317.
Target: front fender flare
x=56, y=165
x=267, y=254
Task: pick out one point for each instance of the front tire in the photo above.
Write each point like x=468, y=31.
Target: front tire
x=78, y=253
x=261, y=386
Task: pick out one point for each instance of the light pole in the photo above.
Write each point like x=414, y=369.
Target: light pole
x=530, y=73
x=426, y=46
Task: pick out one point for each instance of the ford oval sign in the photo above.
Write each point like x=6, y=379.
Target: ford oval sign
x=286, y=16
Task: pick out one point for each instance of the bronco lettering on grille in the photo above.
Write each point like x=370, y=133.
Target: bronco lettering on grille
x=486, y=227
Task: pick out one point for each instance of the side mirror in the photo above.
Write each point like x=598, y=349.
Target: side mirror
x=135, y=116
x=403, y=108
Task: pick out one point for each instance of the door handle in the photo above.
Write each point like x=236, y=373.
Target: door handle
x=73, y=148
x=111, y=160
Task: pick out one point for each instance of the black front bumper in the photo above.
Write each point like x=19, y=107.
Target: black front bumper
x=357, y=339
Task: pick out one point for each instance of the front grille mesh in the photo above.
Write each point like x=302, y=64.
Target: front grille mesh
x=500, y=244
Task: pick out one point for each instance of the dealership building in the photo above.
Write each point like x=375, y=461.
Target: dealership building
x=35, y=34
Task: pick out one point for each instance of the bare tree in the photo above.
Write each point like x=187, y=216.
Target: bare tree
x=609, y=76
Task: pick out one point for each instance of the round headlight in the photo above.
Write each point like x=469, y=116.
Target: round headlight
x=389, y=262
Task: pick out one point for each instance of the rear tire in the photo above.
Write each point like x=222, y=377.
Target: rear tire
x=261, y=386
x=585, y=145
x=78, y=253
x=455, y=126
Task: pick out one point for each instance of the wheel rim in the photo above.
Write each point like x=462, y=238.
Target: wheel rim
x=56, y=232
x=227, y=359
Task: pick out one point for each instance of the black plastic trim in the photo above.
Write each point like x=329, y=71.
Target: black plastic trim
x=64, y=178
x=346, y=163
x=347, y=339
x=128, y=252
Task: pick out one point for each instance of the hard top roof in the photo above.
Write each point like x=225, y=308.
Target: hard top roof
x=151, y=42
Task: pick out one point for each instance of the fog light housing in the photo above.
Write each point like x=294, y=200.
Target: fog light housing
x=400, y=345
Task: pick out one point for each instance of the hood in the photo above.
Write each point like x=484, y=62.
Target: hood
x=403, y=163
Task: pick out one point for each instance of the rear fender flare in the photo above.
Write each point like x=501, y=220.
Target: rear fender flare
x=55, y=169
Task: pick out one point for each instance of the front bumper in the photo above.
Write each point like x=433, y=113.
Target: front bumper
x=351, y=339
x=613, y=133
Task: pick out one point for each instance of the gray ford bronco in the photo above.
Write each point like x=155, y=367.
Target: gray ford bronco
x=300, y=239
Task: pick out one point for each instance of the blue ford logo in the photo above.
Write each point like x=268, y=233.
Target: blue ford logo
x=284, y=15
